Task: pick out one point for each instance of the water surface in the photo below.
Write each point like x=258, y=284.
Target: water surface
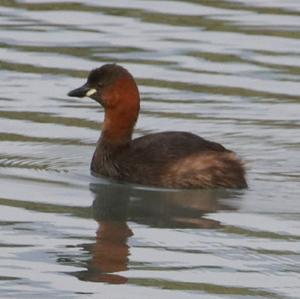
x=226, y=70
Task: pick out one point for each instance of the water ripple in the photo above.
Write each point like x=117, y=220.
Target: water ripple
x=226, y=70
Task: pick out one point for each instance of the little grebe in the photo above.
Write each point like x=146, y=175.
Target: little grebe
x=167, y=159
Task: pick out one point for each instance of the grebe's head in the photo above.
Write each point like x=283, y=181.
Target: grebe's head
x=110, y=85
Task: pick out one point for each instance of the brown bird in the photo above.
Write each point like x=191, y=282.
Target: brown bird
x=167, y=159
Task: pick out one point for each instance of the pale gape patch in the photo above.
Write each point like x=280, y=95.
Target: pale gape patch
x=90, y=92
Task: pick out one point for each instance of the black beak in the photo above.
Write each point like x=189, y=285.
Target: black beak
x=80, y=92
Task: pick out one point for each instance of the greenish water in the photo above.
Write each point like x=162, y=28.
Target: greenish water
x=226, y=70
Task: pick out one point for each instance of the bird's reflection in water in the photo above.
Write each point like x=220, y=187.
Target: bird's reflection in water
x=115, y=204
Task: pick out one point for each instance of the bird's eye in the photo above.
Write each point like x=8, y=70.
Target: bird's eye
x=100, y=84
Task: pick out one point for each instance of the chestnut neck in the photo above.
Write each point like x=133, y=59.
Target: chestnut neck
x=121, y=113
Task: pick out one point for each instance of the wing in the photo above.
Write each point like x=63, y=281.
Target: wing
x=168, y=145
